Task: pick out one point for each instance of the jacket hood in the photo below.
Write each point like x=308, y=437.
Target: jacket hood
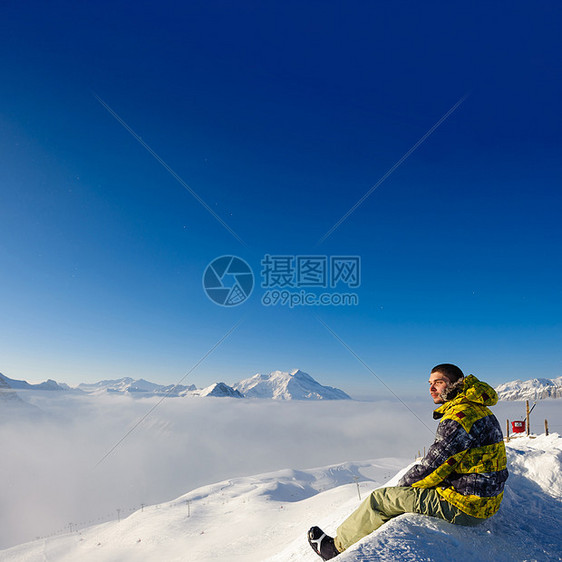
x=472, y=390
x=479, y=392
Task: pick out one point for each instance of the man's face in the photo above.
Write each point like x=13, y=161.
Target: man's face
x=437, y=384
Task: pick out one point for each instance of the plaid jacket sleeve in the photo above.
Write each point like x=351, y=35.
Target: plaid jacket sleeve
x=451, y=442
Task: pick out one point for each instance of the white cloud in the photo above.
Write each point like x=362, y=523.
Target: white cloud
x=48, y=463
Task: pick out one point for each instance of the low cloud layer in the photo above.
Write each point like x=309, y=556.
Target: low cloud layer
x=49, y=461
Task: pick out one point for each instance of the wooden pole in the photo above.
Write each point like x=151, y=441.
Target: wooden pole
x=356, y=478
x=528, y=427
x=507, y=431
x=546, y=426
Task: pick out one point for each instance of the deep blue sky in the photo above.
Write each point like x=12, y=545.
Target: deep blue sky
x=280, y=116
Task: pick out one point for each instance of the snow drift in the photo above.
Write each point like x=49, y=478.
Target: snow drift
x=265, y=517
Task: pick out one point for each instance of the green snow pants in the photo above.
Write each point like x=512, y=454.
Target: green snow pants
x=385, y=503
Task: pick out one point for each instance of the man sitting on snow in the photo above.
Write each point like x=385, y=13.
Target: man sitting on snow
x=461, y=478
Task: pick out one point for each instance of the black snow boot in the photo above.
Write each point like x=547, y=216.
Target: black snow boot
x=322, y=544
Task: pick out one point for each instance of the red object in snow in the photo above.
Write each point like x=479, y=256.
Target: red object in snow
x=518, y=426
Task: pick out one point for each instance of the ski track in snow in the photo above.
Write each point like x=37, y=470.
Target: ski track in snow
x=265, y=517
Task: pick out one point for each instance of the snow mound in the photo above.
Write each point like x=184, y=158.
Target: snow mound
x=292, y=385
x=527, y=527
x=265, y=517
x=533, y=389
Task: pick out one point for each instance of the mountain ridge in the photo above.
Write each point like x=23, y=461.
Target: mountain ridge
x=16, y=384
x=532, y=389
x=277, y=385
x=291, y=385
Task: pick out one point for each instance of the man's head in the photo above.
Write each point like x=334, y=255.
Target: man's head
x=441, y=381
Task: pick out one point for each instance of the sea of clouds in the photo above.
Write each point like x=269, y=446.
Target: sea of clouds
x=52, y=476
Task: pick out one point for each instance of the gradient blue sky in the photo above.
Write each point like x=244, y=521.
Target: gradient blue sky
x=280, y=116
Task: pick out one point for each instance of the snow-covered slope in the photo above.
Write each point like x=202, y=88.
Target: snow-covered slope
x=265, y=517
x=7, y=394
x=533, y=389
x=293, y=385
x=11, y=405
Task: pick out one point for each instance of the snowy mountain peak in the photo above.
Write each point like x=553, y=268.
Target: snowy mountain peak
x=292, y=385
x=297, y=373
x=532, y=389
x=49, y=384
x=220, y=389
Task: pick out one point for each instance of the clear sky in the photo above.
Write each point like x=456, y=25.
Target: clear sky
x=280, y=117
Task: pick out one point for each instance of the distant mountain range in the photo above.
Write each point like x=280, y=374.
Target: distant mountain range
x=533, y=389
x=138, y=387
x=278, y=385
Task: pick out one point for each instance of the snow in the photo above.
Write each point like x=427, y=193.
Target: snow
x=181, y=445
x=533, y=389
x=265, y=517
x=10, y=403
x=292, y=385
x=218, y=389
x=49, y=384
x=127, y=385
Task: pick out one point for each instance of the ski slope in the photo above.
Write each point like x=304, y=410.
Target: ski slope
x=265, y=517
